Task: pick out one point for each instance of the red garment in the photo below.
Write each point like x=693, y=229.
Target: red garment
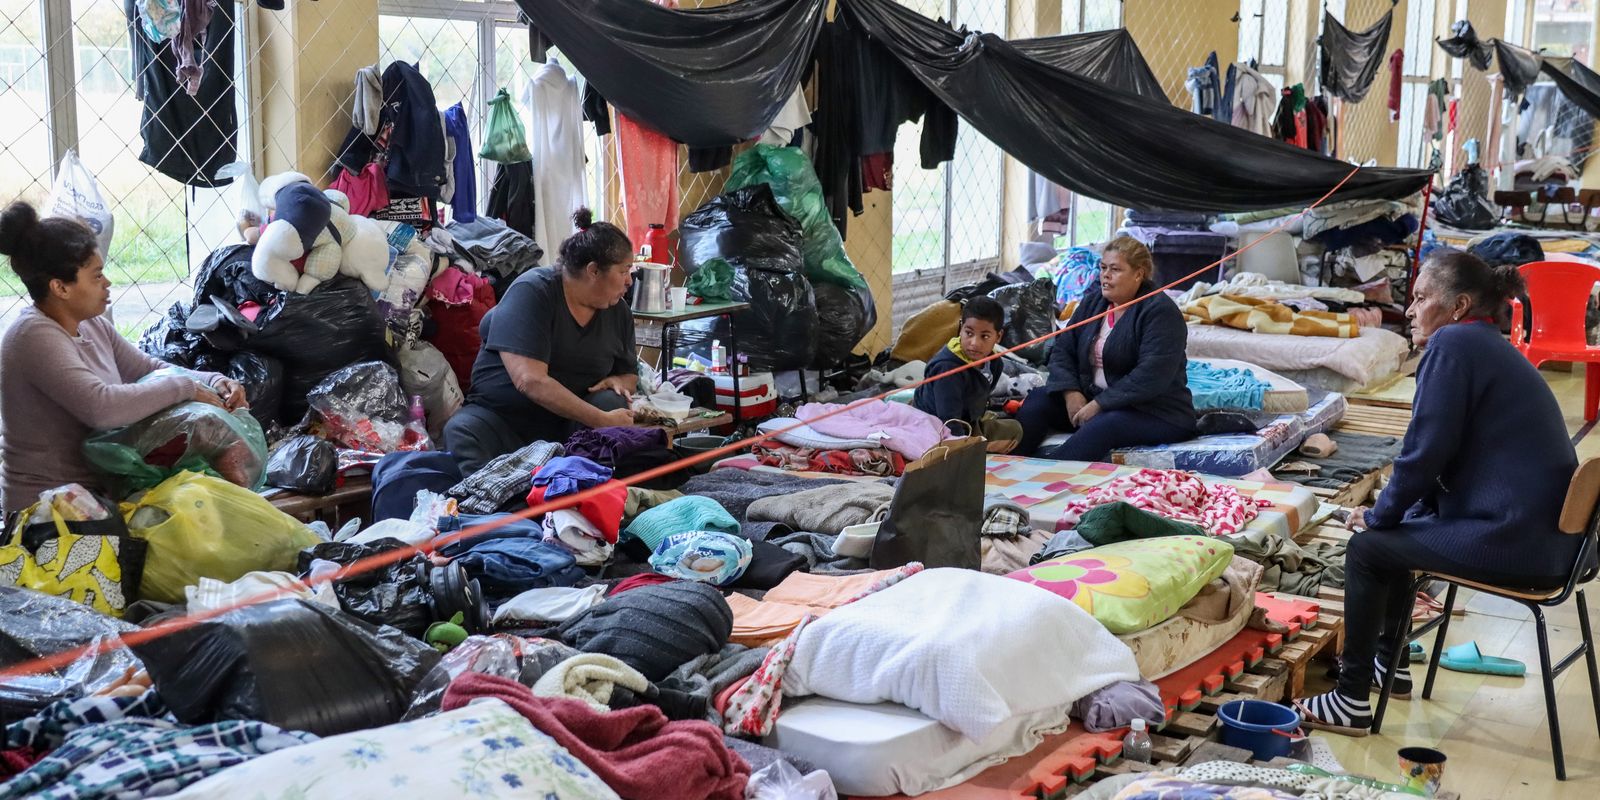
x=1397, y=74
x=1455, y=107
x=368, y=191
x=877, y=172
x=879, y=462
x=1300, y=135
x=649, y=169
x=638, y=581
x=16, y=761
x=603, y=510
x=456, y=333
x=636, y=751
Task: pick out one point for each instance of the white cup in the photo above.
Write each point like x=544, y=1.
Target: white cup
x=678, y=298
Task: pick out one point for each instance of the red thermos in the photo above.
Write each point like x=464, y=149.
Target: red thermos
x=660, y=247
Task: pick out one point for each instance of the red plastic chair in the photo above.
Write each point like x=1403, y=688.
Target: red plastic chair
x=1559, y=292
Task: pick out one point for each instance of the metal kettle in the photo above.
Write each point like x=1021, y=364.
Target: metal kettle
x=651, y=282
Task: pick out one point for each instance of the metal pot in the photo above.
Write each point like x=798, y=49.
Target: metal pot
x=650, y=287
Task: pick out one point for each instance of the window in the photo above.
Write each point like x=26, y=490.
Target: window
x=1081, y=16
x=1416, y=147
x=1264, y=37
x=1564, y=27
x=163, y=228
x=1089, y=220
x=950, y=215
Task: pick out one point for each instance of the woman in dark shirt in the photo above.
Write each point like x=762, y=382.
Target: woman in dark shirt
x=558, y=352
x=1476, y=491
x=1120, y=381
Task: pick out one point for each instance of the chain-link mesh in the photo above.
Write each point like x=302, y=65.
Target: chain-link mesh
x=936, y=229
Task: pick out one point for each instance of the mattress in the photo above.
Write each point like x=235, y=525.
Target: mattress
x=1307, y=360
x=1045, y=487
x=1233, y=455
x=885, y=748
x=1172, y=645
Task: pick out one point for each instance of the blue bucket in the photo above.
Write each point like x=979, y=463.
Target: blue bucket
x=1265, y=729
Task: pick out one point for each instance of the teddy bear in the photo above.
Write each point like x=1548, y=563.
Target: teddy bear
x=317, y=226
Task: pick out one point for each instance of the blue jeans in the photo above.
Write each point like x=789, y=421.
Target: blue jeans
x=1044, y=413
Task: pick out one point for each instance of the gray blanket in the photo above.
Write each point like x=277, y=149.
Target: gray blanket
x=1290, y=567
x=829, y=509
x=1358, y=454
x=817, y=550
x=708, y=675
x=736, y=489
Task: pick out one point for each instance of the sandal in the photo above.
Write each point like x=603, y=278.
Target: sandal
x=1355, y=722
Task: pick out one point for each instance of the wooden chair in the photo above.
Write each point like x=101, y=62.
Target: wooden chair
x=1580, y=516
x=1513, y=205
x=1566, y=197
x=1590, y=200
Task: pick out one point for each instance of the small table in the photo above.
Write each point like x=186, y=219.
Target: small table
x=695, y=424
x=669, y=322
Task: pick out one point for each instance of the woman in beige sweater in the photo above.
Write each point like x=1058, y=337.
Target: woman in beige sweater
x=64, y=370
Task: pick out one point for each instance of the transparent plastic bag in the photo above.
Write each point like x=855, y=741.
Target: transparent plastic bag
x=489, y=655
x=781, y=781
x=33, y=625
x=77, y=194
x=188, y=437
x=199, y=526
x=362, y=407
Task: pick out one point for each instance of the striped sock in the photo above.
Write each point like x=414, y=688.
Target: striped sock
x=1337, y=708
x=1402, y=677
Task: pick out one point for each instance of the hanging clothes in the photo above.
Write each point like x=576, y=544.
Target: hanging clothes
x=1253, y=101
x=794, y=115
x=511, y=198
x=838, y=159
x=1434, y=113
x=1350, y=59
x=191, y=36
x=596, y=110
x=1397, y=76
x=555, y=134
x=1225, y=108
x=416, y=139
x=1302, y=136
x=649, y=177
x=188, y=134
x=1204, y=89
x=1317, y=125
x=464, y=199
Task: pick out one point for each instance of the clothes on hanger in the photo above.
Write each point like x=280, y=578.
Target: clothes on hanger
x=555, y=136
x=1397, y=75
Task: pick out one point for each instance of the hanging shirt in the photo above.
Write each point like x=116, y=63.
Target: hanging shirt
x=188, y=134
x=555, y=135
x=1397, y=75
x=794, y=115
x=463, y=200
x=1254, y=99
x=1100, y=347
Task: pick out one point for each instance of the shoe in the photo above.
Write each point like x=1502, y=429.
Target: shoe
x=1467, y=658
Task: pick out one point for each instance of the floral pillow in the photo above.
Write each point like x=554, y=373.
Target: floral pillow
x=1130, y=586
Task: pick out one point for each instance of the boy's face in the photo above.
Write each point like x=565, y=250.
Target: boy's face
x=978, y=337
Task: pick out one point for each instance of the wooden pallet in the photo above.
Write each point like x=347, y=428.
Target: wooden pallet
x=1357, y=493
x=1375, y=420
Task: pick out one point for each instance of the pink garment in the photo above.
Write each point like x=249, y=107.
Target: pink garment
x=649, y=173
x=899, y=427
x=368, y=190
x=453, y=286
x=1220, y=510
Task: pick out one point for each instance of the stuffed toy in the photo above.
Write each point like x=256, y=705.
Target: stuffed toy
x=300, y=229
x=364, y=247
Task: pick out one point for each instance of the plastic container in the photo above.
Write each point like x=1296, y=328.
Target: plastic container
x=1136, y=746
x=1265, y=729
x=758, y=394
x=688, y=446
x=856, y=541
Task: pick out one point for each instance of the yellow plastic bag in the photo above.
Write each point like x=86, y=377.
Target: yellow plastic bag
x=198, y=526
x=93, y=562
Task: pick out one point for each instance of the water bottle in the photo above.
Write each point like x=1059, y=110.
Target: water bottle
x=660, y=246
x=1136, y=745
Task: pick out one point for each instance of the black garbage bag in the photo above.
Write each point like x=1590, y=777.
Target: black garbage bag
x=226, y=274
x=397, y=595
x=1030, y=313
x=1464, y=203
x=304, y=464
x=749, y=230
x=1510, y=248
x=262, y=379
x=291, y=663
x=844, y=315
x=33, y=625
x=170, y=340
x=336, y=325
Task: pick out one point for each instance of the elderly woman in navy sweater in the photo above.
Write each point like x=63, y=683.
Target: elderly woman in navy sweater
x=1120, y=381
x=1477, y=488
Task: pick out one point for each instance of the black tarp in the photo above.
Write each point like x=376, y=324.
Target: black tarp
x=1107, y=143
x=709, y=77
x=1577, y=83
x=1111, y=57
x=1350, y=59
x=1519, y=66
x=1464, y=43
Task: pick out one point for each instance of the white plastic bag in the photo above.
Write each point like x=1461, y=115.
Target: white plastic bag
x=77, y=194
x=781, y=781
x=251, y=213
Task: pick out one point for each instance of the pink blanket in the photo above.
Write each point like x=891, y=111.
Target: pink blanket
x=899, y=427
x=1221, y=510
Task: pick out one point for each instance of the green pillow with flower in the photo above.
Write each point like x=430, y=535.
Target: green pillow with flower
x=1131, y=586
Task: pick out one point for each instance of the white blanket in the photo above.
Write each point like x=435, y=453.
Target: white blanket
x=967, y=649
x=1372, y=356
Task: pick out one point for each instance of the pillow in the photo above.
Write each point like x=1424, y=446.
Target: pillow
x=970, y=650
x=804, y=436
x=1130, y=586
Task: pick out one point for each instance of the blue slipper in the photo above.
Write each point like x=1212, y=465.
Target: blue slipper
x=1415, y=652
x=1467, y=658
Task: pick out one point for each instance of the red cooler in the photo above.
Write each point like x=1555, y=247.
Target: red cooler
x=758, y=395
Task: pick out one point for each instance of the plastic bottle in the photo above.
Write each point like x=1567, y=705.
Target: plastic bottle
x=660, y=246
x=717, y=363
x=1136, y=745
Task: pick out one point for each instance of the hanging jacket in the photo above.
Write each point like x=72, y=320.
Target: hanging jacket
x=187, y=137
x=464, y=200
x=416, y=143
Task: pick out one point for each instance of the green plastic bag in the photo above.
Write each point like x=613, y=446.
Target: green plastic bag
x=712, y=282
x=197, y=526
x=794, y=183
x=505, y=142
x=188, y=437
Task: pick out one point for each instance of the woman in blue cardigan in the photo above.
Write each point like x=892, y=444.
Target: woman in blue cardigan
x=1120, y=381
x=1476, y=491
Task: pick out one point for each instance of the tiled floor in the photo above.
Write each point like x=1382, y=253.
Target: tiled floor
x=1494, y=730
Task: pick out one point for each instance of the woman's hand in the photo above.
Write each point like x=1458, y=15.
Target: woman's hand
x=1075, y=403
x=1357, y=521
x=1088, y=412
x=616, y=383
x=232, y=392
x=620, y=418
x=209, y=396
